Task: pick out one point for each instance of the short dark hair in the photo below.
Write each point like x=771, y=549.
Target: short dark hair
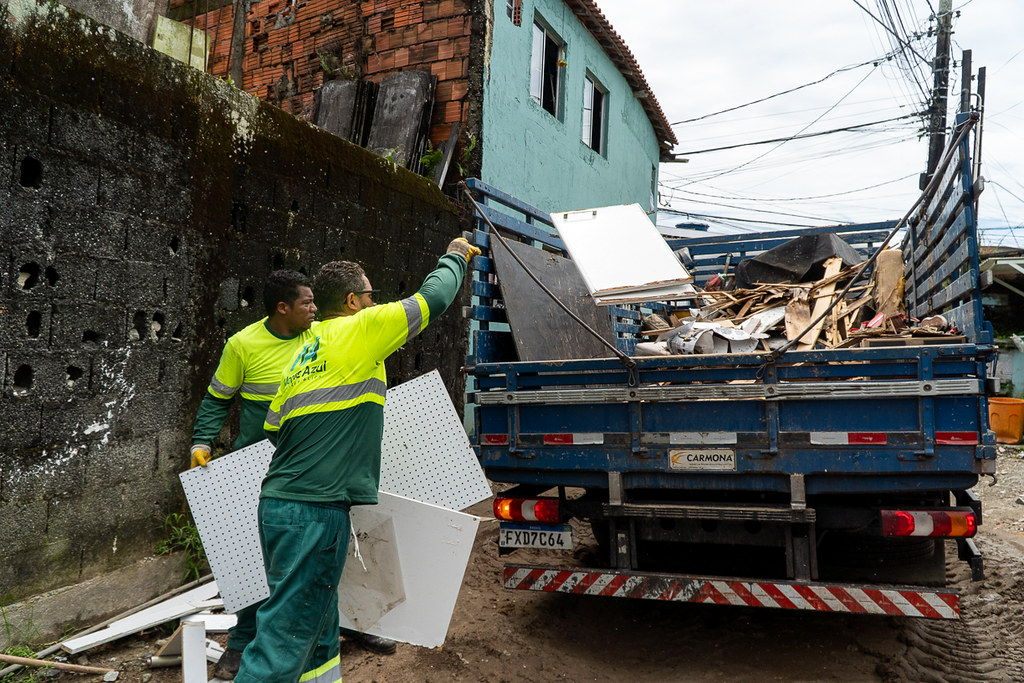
x=283, y=285
x=335, y=281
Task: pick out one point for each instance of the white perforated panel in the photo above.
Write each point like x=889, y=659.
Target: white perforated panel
x=223, y=497
x=433, y=548
x=426, y=453
x=426, y=457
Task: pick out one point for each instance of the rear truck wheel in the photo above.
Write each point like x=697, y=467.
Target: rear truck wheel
x=914, y=561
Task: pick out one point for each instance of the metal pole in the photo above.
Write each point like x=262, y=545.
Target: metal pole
x=965, y=82
x=940, y=69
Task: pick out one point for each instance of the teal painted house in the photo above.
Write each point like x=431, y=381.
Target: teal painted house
x=568, y=120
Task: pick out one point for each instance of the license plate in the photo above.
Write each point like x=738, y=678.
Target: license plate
x=535, y=536
x=715, y=459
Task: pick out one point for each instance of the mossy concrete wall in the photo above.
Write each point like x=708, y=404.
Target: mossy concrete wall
x=141, y=205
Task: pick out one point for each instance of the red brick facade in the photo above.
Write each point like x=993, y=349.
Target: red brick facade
x=290, y=44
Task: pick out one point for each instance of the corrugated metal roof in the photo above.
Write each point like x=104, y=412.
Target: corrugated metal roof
x=590, y=15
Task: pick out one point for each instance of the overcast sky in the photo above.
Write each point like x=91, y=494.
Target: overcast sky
x=703, y=57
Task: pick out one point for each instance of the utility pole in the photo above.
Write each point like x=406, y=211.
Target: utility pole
x=965, y=82
x=940, y=69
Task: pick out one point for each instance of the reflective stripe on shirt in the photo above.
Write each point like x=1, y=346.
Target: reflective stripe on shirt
x=345, y=392
x=265, y=392
x=218, y=388
x=414, y=315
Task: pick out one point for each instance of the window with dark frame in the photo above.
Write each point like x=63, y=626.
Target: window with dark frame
x=593, y=115
x=545, y=70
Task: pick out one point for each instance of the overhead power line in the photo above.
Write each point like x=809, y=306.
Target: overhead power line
x=798, y=136
x=798, y=199
x=874, y=62
x=902, y=42
x=691, y=214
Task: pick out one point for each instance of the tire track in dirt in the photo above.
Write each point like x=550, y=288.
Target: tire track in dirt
x=985, y=644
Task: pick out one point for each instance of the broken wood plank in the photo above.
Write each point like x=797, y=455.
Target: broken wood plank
x=178, y=606
x=821, y=303
x=63, y=666
x=887, y=279
x=798, y=314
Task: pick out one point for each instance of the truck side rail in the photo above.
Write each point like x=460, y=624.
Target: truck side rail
x=941, y=249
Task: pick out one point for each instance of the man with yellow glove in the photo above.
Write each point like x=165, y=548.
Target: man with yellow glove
x=251, y=365
x=327, y=421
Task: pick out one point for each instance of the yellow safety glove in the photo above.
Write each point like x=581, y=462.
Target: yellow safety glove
x=462, y=247
x=200, y=455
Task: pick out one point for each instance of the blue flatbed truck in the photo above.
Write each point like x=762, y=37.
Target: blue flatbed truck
x=828, y=480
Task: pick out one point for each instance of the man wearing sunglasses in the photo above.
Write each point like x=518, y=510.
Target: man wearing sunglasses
x=327, y=421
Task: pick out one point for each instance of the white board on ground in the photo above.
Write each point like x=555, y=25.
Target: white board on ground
x=425, y=453
x=433, y=547
x=187, y=603
x=193, y=652
x=619, y=252
x=215, y=623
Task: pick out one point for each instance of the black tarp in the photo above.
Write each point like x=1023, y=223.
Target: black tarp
x=800, y=259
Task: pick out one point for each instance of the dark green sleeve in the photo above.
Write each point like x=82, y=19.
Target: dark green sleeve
x=210, y=419
x=442, y=285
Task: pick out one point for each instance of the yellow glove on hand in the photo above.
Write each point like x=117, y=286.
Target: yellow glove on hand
x=200, y=455
x=462, y=247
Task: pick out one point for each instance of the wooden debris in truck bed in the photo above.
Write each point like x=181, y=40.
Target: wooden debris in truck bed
x=785, y=310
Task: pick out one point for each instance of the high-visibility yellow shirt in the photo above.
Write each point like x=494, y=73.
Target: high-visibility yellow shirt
x=250, y=366
x=327, y=418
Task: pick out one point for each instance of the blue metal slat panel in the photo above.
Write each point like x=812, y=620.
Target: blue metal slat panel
x=539, y=233
x=953, y=266
x=493, y=346
x=489, y=314
x=486, y=289
x=928, y=256
x=508, y=200
x=963, y=286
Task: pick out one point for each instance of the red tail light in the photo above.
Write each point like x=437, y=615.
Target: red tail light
x=527, y=509
x=951, y=524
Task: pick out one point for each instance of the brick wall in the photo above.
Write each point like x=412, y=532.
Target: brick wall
x=141, y=205
x=288, y=43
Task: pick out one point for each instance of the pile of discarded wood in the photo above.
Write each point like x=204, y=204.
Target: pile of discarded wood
x=766, y=316
x=193, y=604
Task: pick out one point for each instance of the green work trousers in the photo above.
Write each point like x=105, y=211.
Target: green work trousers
x=242, y=633
x=304, y=548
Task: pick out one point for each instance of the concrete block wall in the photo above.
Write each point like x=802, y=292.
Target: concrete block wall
x=287, y=45
x=141, y=205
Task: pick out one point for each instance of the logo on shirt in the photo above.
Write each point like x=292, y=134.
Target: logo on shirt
x=305, y=372
x=307, y=355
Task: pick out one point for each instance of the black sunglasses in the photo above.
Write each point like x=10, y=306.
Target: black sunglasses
x=371, y=292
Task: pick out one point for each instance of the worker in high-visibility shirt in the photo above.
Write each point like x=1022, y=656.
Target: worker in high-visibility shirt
x=327, y=421
x=251, y=366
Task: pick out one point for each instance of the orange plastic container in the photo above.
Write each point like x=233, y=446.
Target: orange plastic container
x=1006, y=418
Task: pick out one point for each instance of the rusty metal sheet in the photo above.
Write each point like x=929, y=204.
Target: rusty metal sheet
x=542, y=330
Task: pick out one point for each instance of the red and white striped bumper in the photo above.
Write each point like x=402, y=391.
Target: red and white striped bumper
x=933, y=603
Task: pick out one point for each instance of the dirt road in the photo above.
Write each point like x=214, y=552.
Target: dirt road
x=515, y=636
x=499, y=635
